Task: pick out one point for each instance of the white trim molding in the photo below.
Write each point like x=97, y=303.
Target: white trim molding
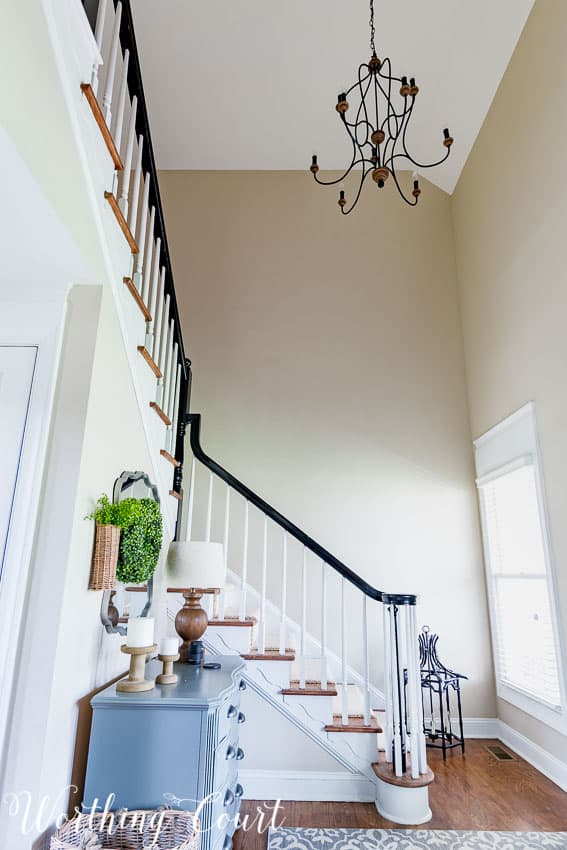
x=307, y=785
x=541, y=759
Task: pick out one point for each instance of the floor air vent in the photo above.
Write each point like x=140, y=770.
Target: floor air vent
x=500, y=753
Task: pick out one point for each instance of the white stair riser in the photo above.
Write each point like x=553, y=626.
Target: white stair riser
x=364, y=744
x=237, y=637
x=277, y=672
x=319, y=707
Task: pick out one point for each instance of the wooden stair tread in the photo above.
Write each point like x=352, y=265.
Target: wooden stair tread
x=270, y=655
x=90, y=96
x=169, y=457
x=312, y=689
x=176, y=495
x=248, y=622
x=161, y=413
x=150, y=361
x=129, y=283
x=355, y=724
x=385, y=772
x=121, y=221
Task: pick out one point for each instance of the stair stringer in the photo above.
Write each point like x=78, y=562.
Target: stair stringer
x=312, y=643
x=297, y=714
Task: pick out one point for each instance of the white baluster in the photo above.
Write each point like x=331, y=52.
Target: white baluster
x=365, y=661
x=125, y=185
x=163, y=348
x=152, y=296
x=168, y=369
x=262, y=629
x=402, y=666
x=141, y=236
x=284, y=595
x=388, y=702
x=191, y=505
x=172, y=441
x=242, y=615
x=418, y=751
x=395, y=685
x=133, y=215
x=303, y=619
x=324, y=675
x=209, y=510
x=114, y=48
x=225, y=547
x=119, y=123
x=150, y=245
x=158, y=316
x=344, y=673
x=99, y=33
x=171, y=386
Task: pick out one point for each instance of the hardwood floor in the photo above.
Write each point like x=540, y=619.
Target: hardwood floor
x=474, y=791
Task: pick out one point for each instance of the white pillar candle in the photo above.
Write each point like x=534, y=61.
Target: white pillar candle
x=140, y=631
x=169, y=646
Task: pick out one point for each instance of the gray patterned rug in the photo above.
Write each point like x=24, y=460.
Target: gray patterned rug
x=286, y=838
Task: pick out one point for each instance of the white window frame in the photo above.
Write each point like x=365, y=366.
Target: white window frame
x=506, y=447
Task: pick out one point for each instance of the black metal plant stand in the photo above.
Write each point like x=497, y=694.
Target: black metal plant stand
x=439, y=685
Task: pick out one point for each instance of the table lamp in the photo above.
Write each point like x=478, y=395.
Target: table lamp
x=193, y=569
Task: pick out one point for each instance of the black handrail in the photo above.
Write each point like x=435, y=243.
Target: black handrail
x=194, y=422
x=135, y=87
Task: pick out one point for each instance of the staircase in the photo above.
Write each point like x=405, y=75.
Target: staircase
x=316, y=637
x=307, y=627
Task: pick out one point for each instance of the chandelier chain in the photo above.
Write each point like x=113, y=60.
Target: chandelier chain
x=372, y=28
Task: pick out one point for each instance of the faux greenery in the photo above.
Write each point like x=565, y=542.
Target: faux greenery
x=140, y=538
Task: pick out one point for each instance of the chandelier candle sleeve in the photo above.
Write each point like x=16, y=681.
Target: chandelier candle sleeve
x=140, y=632
x=169, y=646
x=378, y=128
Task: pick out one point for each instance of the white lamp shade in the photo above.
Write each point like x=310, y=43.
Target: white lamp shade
x=195, y=564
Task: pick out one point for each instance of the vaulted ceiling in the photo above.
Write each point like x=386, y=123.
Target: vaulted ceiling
x=252, y=84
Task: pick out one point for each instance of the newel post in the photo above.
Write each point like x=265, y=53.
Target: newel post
x=404, y=776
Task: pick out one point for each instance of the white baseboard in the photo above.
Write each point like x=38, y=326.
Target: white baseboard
x=306, y=785
x=480, y=727
x=541, y=759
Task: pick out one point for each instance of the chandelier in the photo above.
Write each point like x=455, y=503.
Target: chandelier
x=378, y=131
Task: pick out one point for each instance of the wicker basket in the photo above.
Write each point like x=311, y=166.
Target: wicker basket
x=131, y=830
x=105, y=557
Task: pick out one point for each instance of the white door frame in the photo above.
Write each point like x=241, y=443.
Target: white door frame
x=39, y=324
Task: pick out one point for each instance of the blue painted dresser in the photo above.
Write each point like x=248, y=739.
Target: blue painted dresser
x=175, y=745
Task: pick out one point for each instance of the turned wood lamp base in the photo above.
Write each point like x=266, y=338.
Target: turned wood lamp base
x=136, y=680
x=191, y=621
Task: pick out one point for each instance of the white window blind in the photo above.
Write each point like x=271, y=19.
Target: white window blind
x=525, y=631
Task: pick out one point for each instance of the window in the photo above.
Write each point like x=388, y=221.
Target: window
x=525, y=632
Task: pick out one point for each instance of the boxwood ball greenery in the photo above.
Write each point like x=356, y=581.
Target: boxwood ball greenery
x=140, y=540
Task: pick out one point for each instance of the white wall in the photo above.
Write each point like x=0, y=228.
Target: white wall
x=509, y=212
x=328, y=366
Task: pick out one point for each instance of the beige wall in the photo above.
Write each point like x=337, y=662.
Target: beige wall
x=510, y=210
x=328, y=366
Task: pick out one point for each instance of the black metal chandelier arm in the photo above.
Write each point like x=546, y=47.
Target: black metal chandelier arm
x=410, y=157
x=411, y=203
x=365, y=174
x=389, y=75
x=358, y=81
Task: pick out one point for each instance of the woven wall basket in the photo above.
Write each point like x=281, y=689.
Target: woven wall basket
x=105, y=557
x=131, y=830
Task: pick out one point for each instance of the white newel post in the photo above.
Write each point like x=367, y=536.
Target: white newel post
x=406, y=802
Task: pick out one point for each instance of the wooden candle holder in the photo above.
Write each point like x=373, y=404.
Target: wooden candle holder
x=167, y=676
x=136, y=680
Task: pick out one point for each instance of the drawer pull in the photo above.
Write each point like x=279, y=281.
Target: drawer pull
x=242, y=685
x=238, y=791
x=241, y=717
x=231, y=753
x=239, y=754
x=231, y=711
x=227, y=843
x=228, y=798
